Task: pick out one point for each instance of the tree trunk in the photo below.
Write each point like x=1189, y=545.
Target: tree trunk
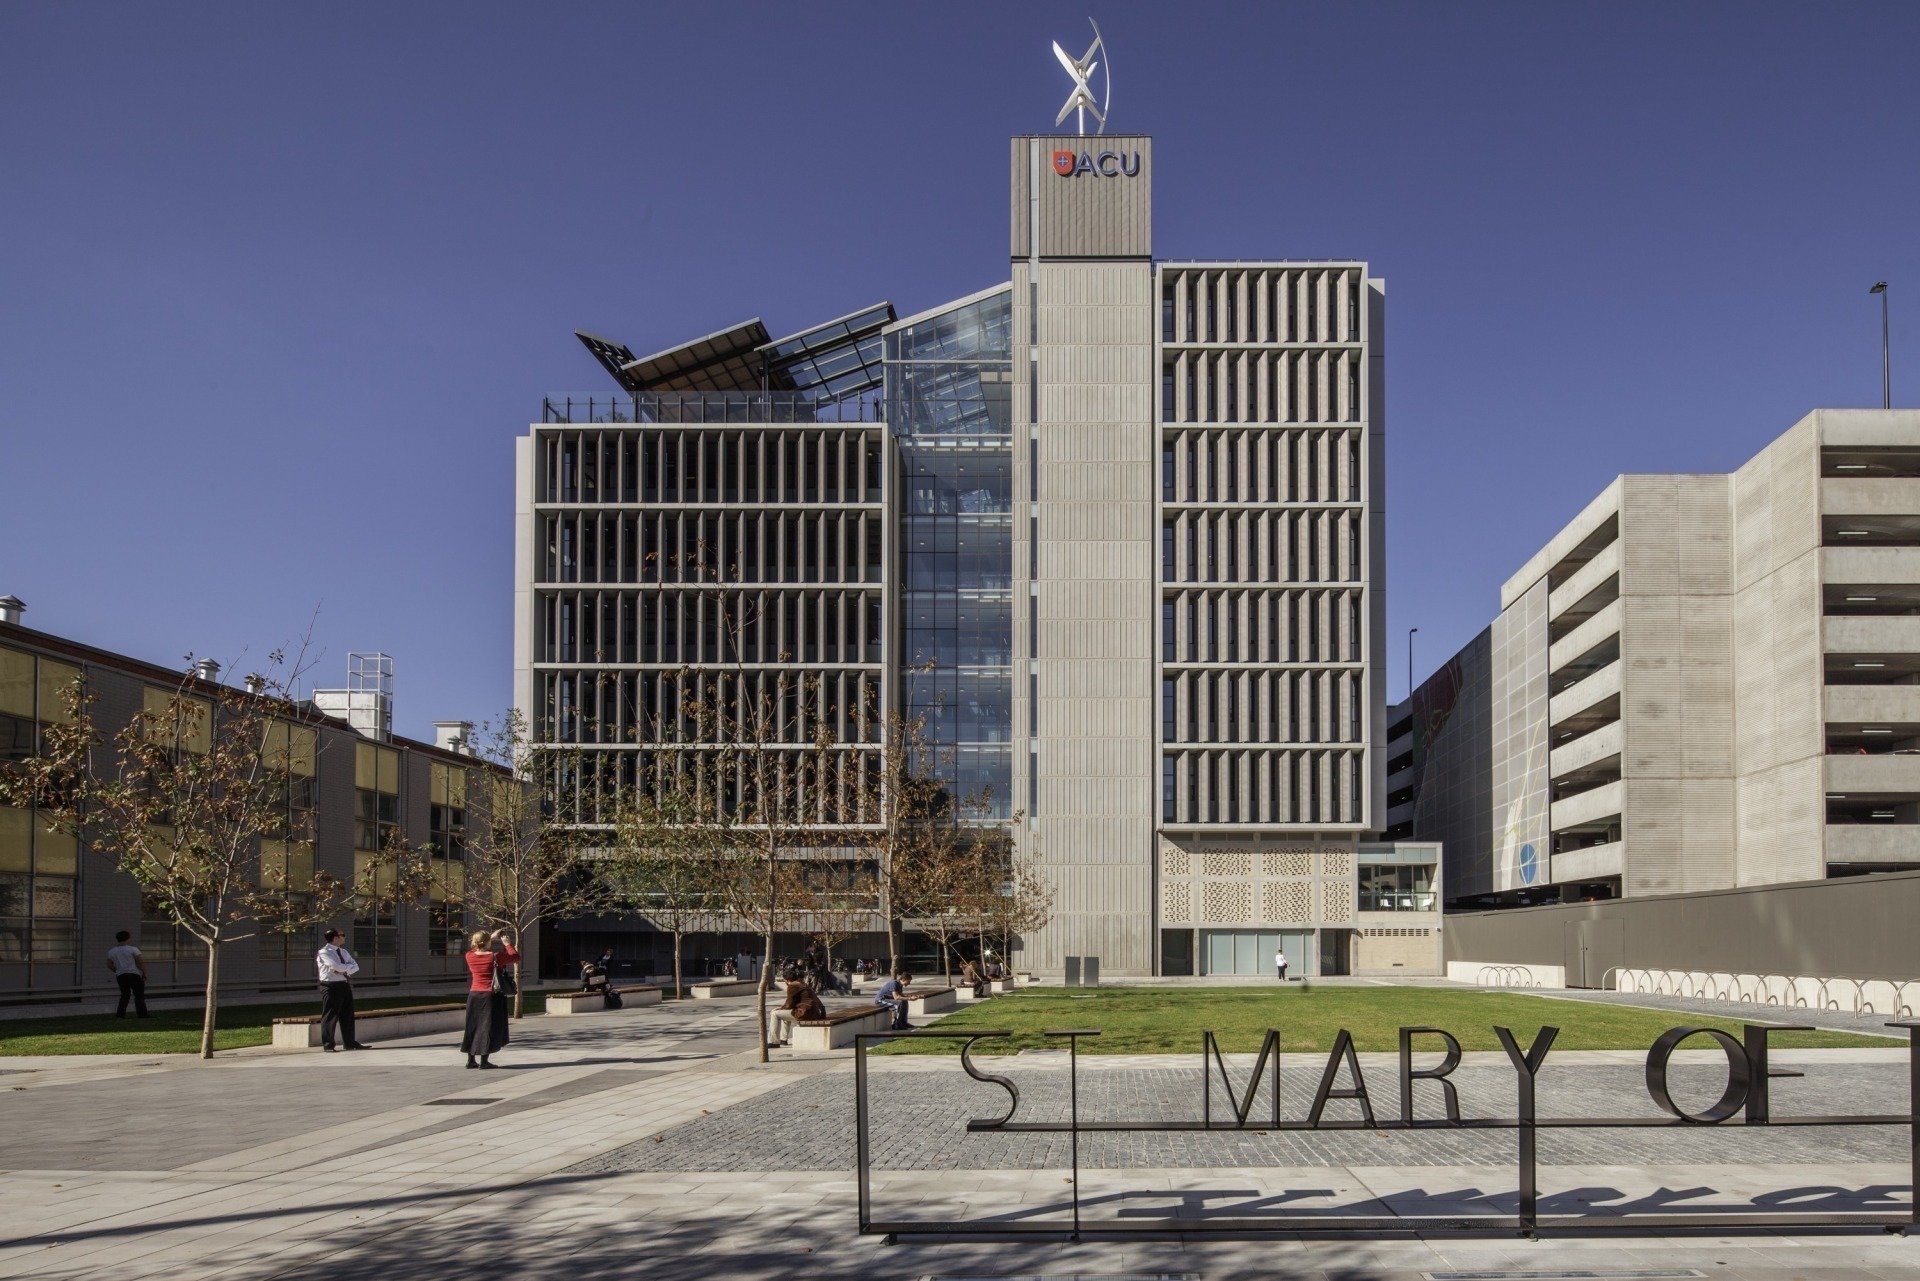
x=519, y=982
x=678, y=991
x=766, y=978
x=886, y=914
x=766, y=938
x=207, y=1017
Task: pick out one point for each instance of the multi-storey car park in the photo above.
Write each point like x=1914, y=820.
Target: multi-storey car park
x=1702, y=683
x=1112, y=528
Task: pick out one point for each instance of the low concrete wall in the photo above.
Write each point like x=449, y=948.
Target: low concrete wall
x=372, y=1025
x=837, y=1036
x=1503, y=974
x=933, y=1002
x=1853, y=927
x=719, y=988
x=595, y=1003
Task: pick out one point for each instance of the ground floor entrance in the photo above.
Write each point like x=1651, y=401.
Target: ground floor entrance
x=1251, y=951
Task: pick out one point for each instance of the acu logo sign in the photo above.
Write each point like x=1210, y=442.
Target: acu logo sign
x=1106, y=164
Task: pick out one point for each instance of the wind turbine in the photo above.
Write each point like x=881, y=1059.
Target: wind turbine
x=1081, y=100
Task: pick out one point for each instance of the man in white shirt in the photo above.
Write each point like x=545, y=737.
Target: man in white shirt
x=130, y=972
x=1280, y=962
x=337, y=968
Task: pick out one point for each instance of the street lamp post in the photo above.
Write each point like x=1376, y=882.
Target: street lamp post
x=1886, y=368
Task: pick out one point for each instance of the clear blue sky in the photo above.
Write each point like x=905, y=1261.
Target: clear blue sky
x=280, y=284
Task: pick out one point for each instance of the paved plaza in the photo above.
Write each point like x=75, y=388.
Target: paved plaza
x=649, y=1142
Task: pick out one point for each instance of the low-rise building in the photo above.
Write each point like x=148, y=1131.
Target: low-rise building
x=61, y=903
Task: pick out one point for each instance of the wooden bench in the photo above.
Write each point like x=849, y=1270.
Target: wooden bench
x=302, y=1032
x=933, y=1000
x=714, y=989
x=838, y=1029
x=637, y=995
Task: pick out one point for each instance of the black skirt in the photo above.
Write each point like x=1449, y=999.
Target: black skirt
x=486, y=1023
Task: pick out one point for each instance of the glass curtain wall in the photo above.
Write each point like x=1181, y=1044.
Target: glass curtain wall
x=948, y=384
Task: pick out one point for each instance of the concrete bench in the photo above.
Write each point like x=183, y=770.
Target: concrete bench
x=594, y=1003
x=838, y=1029
x=999, y=986
x=302, y=1032
x=933, y=1000
x=715, y=989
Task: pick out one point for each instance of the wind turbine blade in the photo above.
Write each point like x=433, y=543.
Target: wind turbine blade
x=1073, y=68
x=1107, y=90
x=1065, y=111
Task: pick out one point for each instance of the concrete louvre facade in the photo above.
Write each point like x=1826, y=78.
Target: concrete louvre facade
x=1165, y=485
x=1727, y=660
x=61, y=902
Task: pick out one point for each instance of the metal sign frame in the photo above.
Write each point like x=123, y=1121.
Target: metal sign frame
x=1743, y=1103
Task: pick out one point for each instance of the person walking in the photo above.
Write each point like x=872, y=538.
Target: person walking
x=490, y=959
x=337, y=968
x=130, y=973
x=1280, y=962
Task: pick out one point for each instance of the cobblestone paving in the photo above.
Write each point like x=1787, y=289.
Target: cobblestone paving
x=1830, y=1020
x=919, y=1122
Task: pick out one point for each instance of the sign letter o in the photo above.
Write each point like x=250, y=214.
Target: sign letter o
x=1738, y=1074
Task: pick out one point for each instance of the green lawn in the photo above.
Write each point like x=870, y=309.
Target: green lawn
x=178, y=1031
x=1136, y=1020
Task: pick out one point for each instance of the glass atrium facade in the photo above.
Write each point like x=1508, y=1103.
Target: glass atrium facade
x=948, y=388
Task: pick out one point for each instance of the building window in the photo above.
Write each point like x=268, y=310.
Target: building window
x=1169, y=790
x=1395, y=887
x=376, y=928
x=446, y=846
x=287, y=858
x=39, y=868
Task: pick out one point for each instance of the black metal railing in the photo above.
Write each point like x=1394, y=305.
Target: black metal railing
x=704, y=407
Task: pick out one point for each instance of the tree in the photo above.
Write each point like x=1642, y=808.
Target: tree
x=1018, y=897
x=841, y=902
x=910, y=804
x=668, y=854
x=776, y=784
x=939, y=881
x=524, y=865
x=204, y=797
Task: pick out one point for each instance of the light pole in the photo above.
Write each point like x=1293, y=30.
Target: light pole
x=1410, y=635
x=1886, y=369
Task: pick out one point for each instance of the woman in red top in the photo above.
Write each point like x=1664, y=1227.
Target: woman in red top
x=492, y=971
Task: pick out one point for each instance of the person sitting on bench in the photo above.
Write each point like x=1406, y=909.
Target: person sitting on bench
x=592, y=977
x=801, y=1003
x=893, y=995
x=970, y=975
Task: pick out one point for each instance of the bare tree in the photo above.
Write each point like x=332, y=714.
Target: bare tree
x=909, y=805
x=1018, y=898
x=669, y=854
x=524, y=864
x=939, y=884
x=842, y=902
x=205, y=798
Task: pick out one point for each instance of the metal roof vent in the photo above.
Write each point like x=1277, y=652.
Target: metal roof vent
x=11, y=607
x=207, y=669
x=256, y=684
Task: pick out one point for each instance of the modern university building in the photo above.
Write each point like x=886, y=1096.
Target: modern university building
x=1113, y=527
